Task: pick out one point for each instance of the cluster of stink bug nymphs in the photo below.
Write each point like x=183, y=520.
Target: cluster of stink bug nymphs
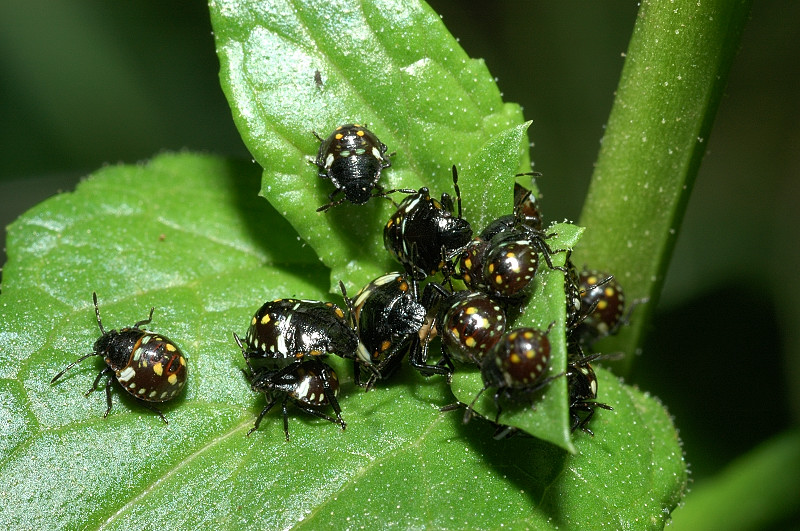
x=398, y=315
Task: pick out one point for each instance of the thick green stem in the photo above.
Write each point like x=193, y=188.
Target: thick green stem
x=671, y=85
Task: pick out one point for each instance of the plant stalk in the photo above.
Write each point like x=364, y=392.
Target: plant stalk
x=671, y=85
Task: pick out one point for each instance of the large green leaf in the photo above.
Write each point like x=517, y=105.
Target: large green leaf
x=187, y=235
x=429, y=102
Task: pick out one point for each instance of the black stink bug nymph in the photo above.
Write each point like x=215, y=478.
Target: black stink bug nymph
x=147, y=365
x=602, y=305
x=424, y=235
x=470, y=324
x=352, y=157
x=389, y=315
x=287, y=331
x=582, y=385
x=310, y=385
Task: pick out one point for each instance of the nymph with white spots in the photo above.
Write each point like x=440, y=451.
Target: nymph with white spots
x=147, y=365
x=582, y=385
x=602, y=306
x=286, y=331
x=352, y=157
x=424, y=235
x=503, y=268
x=470, y=324
x=310, y=385
x=289, y=338
x=291, y=329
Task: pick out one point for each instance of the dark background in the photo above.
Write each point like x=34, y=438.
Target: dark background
x=91, y=83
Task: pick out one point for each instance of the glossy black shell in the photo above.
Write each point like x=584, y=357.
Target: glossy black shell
x=526, y=213
x=293, y=328
x=352, y=157
x=582, y=386
x=582, y=383
x=423, y=235
x=526, y=207
x=502, y=224
x=310, y=385
x=388, y=316
x=304, y=383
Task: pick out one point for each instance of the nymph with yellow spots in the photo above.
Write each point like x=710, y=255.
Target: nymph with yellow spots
x=286, y=331
x=288, y=339
x=147, y=365
x=516, y=367
x=352, y=157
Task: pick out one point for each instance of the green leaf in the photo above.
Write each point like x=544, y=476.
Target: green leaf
x=186, y=235
x=629, y=475
x=548, y=420
x=759, y=490
x=392, y=66
x=675, y=71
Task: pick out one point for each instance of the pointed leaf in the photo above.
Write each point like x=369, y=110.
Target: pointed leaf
x=291, y=68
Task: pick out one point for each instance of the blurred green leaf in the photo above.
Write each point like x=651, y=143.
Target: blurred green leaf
x=186, y=235
x=757, y=491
